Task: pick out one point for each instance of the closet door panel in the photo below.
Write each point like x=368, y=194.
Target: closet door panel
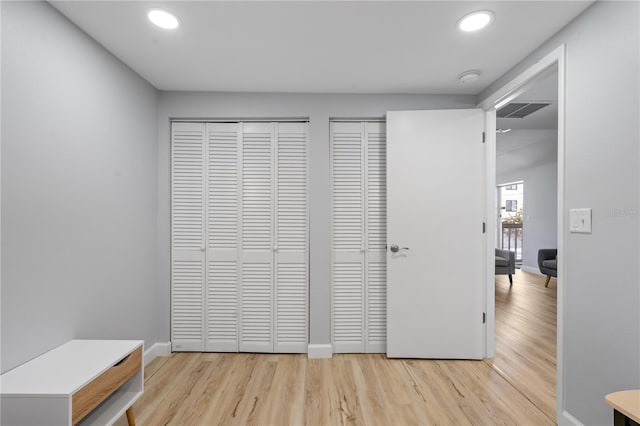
x=223, y=242
x=187, y=236
x=376, y=235
x=291, y=252
x=347, y=237
x=256, y=311
x=240, y=226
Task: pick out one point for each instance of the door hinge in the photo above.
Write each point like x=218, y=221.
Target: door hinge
x=484, y=227
x=484, y=317
x=484, y=137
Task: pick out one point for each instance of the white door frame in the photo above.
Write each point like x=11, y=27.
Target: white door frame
x=500, y=97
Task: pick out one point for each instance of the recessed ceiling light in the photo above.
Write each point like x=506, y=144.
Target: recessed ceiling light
x=503, y=131
x=163, y=19
x=469, y=76
x=475, y=21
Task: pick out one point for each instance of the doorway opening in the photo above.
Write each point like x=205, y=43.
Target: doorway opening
x=553, y=62
x=527, y=151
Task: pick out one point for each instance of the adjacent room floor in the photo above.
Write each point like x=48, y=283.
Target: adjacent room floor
x=515, y=387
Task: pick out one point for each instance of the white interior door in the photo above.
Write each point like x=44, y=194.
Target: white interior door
x=435, y=196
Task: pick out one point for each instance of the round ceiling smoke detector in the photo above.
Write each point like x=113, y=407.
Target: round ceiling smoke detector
x=469, y=76
x=475, y=21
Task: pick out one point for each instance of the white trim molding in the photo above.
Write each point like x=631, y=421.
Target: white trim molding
x=500, y=97
x=156, y=350
x=490, y=239
x=319, y=351
x=567, y=419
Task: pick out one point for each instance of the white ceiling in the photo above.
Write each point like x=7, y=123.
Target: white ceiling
x=320, y=46
x=524, y=148
x=533, y=140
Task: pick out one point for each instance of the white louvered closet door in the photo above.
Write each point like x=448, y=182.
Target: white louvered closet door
x=240, y=228
x=291, y=235
x=256, y=309
x=223, y=236
x=187, y=236
x=376, y=237
x=347, y=237
x=358, y=237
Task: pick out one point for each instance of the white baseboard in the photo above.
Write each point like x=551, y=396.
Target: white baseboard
x=530, y=270
x=567, y=419
x=157, y=349
x=319, y=351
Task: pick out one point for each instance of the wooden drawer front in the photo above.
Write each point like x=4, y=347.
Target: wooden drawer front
x=90, y=396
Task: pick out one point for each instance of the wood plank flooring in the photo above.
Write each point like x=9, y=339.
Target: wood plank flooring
x=526, y=337
x=516, y=387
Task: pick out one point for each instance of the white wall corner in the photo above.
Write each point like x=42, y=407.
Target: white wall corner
x=530, y=270
x=319, y=350
x=566, y=419
x=157, y=349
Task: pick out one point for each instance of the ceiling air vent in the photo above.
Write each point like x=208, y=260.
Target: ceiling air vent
x=520, y=110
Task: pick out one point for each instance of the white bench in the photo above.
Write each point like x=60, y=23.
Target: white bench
x=87, y=382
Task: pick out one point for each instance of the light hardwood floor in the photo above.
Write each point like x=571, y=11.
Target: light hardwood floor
x=526, y=337
x=516, y=387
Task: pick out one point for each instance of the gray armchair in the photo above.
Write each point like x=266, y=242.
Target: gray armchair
x=506, y=263
x=548, y=263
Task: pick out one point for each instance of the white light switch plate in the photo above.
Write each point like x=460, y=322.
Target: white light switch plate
x=580, y=221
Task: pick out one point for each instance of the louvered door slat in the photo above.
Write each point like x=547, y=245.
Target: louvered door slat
x=347, y=306
x=187, y=236
x=256, y=307
x=347, y=237
x=223, y=202
x=222, y=306
x=257, y=238
x=376, y=234
x=187, y=186
x=187, y=324
x=291, y=279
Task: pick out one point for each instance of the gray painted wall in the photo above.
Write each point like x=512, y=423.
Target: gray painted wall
x=79, y=189
x=601, y=333
x=318, y=108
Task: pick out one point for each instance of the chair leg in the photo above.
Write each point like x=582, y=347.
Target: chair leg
x=131, y=418
x=546, y=283
x=510, y=279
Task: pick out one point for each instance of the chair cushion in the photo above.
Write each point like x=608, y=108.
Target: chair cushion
x=501, y=261
x=551, y=263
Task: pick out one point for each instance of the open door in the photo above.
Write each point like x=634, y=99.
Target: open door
x=435, y=233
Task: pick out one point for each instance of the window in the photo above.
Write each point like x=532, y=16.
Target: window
x=512, y=205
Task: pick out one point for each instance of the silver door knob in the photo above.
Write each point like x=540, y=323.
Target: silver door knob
x=395, y=248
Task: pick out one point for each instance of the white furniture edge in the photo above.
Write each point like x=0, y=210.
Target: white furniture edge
x=33, y=400
x=319, y=351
